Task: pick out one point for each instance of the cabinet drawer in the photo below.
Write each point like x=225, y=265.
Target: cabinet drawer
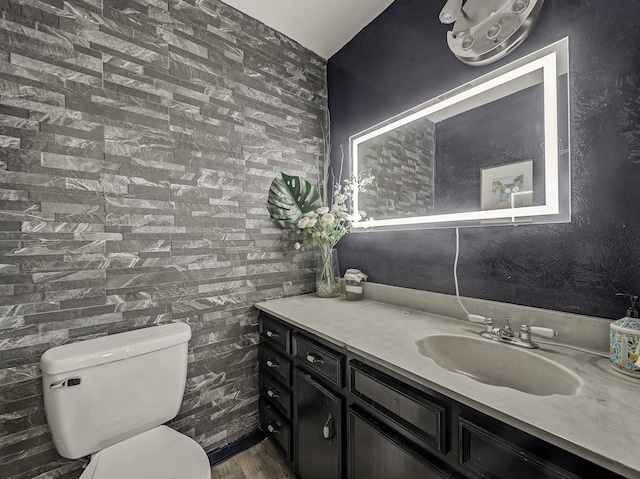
x=275, y=363
x=276, y=427
x=276, y=393
x=376, y=453
x=422, y=418
x=275, y=332
x=490, y=456
x=327, y=363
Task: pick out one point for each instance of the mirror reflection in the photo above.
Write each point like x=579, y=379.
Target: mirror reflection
x=489, y=152
x=402, y=162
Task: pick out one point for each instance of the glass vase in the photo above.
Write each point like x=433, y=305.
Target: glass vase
x=328, y=273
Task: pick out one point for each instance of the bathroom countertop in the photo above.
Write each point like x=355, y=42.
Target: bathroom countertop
x=601, y=422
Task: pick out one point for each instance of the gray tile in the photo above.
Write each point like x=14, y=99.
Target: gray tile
x=138, y=141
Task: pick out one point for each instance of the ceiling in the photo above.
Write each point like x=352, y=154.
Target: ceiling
x=322, y=26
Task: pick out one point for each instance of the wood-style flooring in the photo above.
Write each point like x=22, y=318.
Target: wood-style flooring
x=262, y=461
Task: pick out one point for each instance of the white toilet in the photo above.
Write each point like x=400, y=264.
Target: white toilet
x=109, y=397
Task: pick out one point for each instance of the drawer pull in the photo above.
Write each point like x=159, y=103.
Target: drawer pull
x=327, y=429
x=272, y=429
x=272, y=363
x=273, y=334
x=314, y=358
x=273, y=393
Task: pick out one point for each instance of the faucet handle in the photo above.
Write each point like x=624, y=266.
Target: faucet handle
x=546, y=332
x=489, y=325
x=525, y=333
x=476, y=318
x=488, y=322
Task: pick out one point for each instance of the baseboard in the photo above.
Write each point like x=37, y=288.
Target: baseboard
x=225, y=452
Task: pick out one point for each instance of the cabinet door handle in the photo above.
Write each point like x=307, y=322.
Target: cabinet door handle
x=273, y=393
x=272, y=429
x=272, y=363
x=273, y=334
x=327, y=429
x=314, y=358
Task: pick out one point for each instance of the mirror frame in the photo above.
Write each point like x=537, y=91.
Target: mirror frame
x=547, y=63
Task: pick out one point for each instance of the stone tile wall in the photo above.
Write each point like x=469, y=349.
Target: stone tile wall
x=138, y=140
x=402, y=163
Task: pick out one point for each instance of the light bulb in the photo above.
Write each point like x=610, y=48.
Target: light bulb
x=450, y=11
x=519, y=6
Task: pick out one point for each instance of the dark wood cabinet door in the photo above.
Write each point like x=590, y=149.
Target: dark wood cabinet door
x=318, y=423
x=378, y=453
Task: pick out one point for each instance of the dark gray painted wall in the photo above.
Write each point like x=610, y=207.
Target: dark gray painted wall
x=403, y=59
x=137, y=144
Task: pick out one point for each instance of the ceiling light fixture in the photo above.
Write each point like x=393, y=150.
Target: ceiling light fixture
x=486, y=30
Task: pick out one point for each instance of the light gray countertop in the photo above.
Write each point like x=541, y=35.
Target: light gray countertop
x=601, y=422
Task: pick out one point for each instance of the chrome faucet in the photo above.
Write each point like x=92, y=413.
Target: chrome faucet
x=507, y=335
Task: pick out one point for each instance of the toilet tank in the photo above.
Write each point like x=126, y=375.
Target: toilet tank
x=101, y=391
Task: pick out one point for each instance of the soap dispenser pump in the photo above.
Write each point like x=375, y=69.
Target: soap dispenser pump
x=625, y=340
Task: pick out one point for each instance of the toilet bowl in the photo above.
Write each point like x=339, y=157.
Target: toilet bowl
x=159, y=452
x=109, y=398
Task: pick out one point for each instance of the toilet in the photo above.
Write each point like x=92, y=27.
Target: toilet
x=109, y=398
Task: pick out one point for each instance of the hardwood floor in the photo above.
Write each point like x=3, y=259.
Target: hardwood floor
x=262, y=461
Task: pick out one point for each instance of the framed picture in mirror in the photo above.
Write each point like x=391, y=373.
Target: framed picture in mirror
x=507, y=186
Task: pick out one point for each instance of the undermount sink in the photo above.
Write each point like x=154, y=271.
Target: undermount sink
x=499, y=364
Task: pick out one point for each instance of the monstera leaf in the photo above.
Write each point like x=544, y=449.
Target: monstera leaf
x=290, y=197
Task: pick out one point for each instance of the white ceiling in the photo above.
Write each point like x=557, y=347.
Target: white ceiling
x=323, y=26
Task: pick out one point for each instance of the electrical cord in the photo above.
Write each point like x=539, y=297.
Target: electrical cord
x=455, y=272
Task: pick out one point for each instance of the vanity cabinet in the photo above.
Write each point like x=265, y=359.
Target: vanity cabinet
x=302, y=399
x=337, y=415
x=422, y=429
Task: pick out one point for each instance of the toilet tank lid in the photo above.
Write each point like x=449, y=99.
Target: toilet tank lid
x=115, y=347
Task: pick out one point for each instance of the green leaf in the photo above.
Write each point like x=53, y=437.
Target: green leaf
x=290, y=197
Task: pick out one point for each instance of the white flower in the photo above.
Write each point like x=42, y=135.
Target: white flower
x=363, y=214
x=311, y=214
x=312, y=222
x=339, y=199
x=327, y=219
x=303, y=222
x=356, y=217
x=296, y=245
x=323, y=210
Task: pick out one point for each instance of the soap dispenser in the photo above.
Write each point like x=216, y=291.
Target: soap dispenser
x=625, y=340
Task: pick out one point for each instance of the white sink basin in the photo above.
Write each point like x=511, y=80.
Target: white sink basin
x=497, y=364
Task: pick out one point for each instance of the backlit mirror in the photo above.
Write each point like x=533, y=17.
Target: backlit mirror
x=494, y=151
